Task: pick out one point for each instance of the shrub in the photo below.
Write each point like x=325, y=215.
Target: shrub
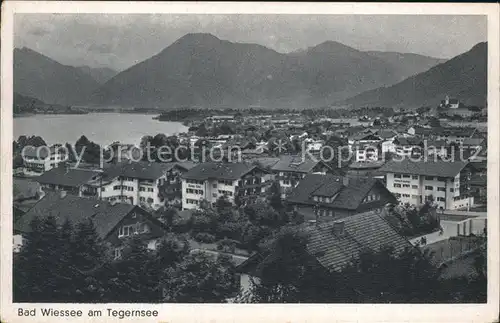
x=204, y=237
x=227, y=245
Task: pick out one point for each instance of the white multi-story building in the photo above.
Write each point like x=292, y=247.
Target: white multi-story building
x=446, y=183
x=140, y=183
x=207, y=182
x=38, y=160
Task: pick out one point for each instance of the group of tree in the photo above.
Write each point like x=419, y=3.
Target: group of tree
x=70, y=263
x=86, y=150
x=163, y=148
x=244, y=226
x=20, y=144
x=411, y=221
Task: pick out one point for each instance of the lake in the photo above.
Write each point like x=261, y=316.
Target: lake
x=101, y=128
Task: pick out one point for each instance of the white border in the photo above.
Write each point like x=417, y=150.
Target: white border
x=259, y=313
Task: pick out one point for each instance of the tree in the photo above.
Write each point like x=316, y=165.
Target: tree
x=132, y=279
x=284, y=270
x=274, y=196
x=199, y=279
x=145, y=142
x=91, y=150
x=202, y=131
x=87, y=248
x=43, y=271
x=167, y=217
x=384, y=276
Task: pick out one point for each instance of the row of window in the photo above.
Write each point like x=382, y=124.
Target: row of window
x=405, y=176
x=228, y=193
x=371, y=197
x=144, y=189
x=250, y=191
x=427, y=187
x=427, y=178
x=127, y=230
x=439, y=199
x=322, y=199
x=193, y=191
x=129, y=179
x=189, y=201
x=193, y=181
x=226, y=182
x=250, y=181
x=143, y=199
x=324, y=212
x=124, y=187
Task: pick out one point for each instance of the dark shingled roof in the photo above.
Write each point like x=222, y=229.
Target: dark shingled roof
x=142, y=170
x=104, y=215
x=362, y=232
x=289, y=163
x=265, y=161
x=229, y=171
x=72, y=177
x=349, y=197
x=426, y=168
x=25, y=187
x=386, y=133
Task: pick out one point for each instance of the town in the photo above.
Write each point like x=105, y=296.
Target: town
x=260, y=205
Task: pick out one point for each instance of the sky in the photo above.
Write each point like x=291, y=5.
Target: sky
x=119, y=41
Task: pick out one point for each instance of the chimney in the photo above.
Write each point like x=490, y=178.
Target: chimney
x=345, y=180
x=338, y=228
x=62, y=194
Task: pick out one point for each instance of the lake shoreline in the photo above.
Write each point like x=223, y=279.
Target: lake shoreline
x=103, y=128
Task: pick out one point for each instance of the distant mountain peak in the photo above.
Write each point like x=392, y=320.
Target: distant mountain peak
x=198, y=37
x=331, y=46
x=464, y=77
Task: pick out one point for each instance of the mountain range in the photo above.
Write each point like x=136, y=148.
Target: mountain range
x=203, y=70
x=463, y=77
x=43, y=78
x=100, y=74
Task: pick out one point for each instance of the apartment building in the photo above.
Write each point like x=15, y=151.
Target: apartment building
x=446, y=183
x=366, y=146
x=141, y=183
x=207, y=182
x=290, y=170
x=38, y=160
x=406, y=147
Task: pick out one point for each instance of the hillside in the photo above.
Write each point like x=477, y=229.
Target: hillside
x=38, y=76
x=203, y=70
x=463, y=77
x=407, y=64
x=100, y=74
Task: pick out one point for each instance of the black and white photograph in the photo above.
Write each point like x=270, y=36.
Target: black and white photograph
x=189, y=157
